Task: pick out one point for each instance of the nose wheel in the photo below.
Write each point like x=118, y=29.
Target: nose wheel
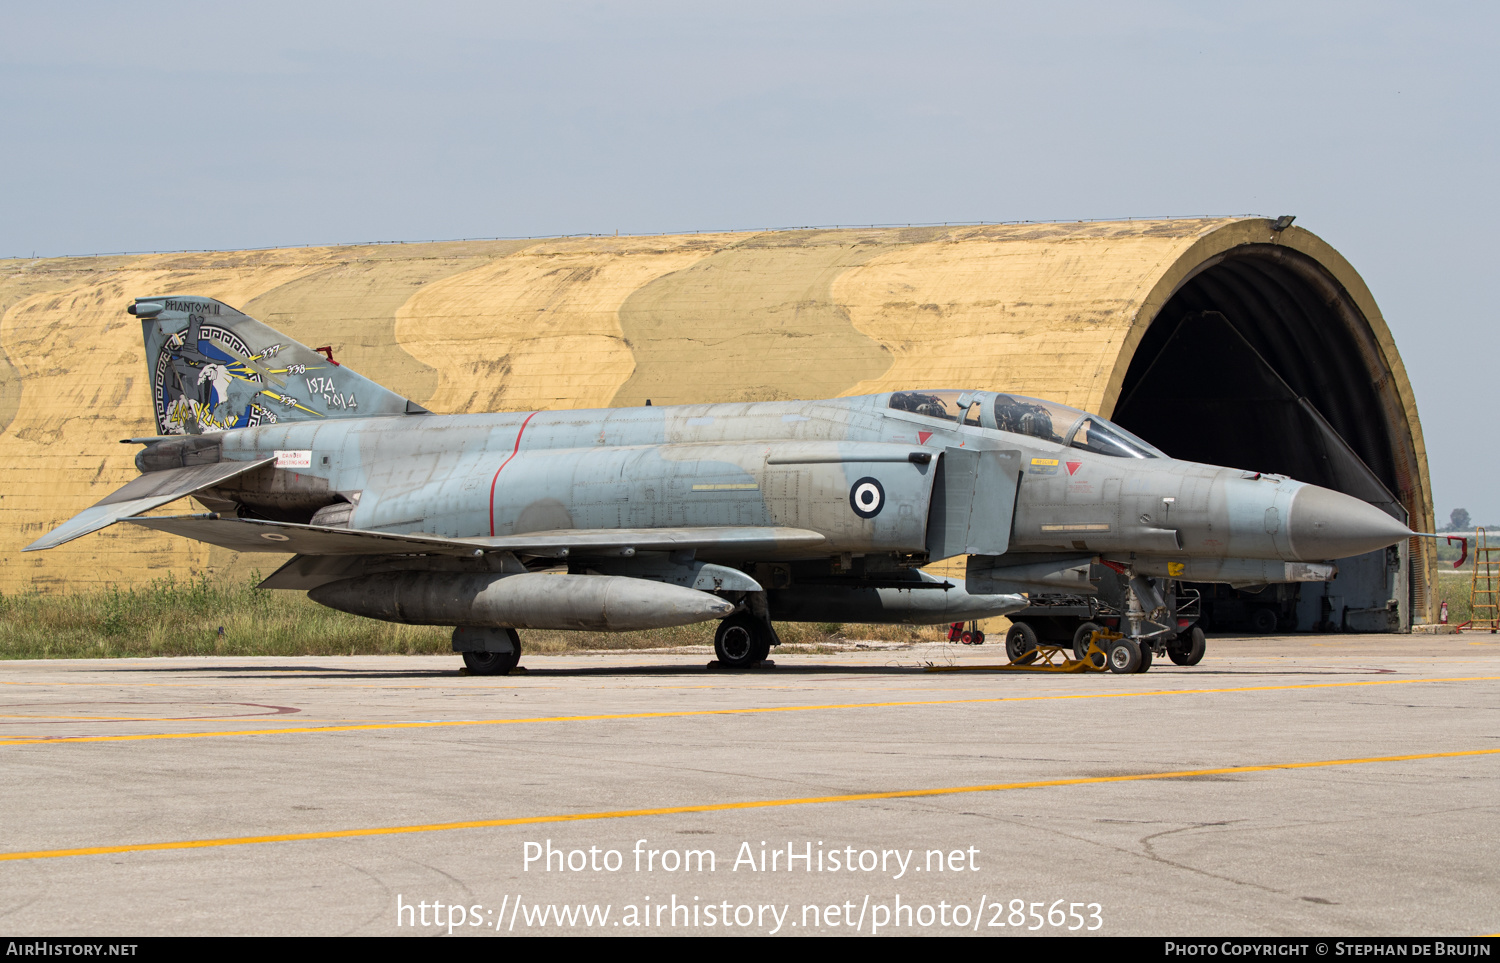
x=1188, y=648
x=1125, y=656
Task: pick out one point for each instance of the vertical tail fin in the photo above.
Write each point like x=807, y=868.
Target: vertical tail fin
x=212, y=368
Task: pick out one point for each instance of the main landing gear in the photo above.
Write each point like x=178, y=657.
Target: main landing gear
x=742, y=641
x=487, y=651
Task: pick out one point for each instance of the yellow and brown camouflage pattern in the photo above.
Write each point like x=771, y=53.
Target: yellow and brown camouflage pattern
x=1048, y=310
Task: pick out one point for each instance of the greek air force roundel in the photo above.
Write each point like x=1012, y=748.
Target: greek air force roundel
x=867, y=497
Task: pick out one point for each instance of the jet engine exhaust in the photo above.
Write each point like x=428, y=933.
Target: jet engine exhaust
x=600, y=603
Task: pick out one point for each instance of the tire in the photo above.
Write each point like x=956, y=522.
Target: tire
x=1020, y=643
x=1147, y=657
x=978, y=637
x=1263, y=621
x=495, y=663
x=1081, y=640
x=1189, y=648
x=741, y=641
x=1124, y=656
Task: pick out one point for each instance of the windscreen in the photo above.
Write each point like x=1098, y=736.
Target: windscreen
x=1045, y=420
x=1105, y=438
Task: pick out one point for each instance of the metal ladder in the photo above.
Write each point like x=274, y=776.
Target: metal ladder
x=1484, y=591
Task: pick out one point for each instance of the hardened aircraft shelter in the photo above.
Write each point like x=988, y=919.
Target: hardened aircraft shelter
x=1234, y=341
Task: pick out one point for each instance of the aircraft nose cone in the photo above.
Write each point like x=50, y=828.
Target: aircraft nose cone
x=1324, y=524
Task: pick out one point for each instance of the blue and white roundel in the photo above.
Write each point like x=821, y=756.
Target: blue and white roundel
x=867, y=497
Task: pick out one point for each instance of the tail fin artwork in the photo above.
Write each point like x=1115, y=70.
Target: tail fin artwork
x=212, y=368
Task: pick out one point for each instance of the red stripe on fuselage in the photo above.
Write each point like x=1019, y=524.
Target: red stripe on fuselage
x=502, y=468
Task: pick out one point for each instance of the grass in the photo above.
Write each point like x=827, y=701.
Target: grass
x=1454, y=589
x=222, y=617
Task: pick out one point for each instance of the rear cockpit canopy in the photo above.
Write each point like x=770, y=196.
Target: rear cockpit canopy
x=1045, y=420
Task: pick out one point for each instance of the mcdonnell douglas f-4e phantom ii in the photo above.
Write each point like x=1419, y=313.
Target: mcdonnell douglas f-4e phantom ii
x=672, y=515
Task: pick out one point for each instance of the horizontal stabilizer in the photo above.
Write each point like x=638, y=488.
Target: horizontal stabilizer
x=256, y=535
x=143, y=494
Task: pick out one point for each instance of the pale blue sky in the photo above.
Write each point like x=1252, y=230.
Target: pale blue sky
x=169, y=126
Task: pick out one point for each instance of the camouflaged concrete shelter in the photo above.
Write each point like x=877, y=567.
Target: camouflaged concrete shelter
x=1222, y=340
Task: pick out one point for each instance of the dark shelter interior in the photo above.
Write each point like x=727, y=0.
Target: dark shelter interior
x=1262, y=361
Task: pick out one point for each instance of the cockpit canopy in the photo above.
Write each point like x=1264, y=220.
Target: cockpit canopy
x=1046, y=420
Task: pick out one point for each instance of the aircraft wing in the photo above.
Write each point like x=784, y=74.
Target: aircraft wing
x=149, y=491
x=256, y=535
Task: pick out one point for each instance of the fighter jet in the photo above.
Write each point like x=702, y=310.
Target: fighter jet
x=635, y=518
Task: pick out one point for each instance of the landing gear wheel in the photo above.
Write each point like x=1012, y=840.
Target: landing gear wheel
x=1263, y=621
x=742, y=641
x=1147, y=654
x=1189, y=647
x=1124, y=656
x=1081, y=640
x=1020, y=643
x=494, y=663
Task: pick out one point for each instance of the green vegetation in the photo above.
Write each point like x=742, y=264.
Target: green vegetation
x=1453, y=585
x=207, y=617
x=1454, y=589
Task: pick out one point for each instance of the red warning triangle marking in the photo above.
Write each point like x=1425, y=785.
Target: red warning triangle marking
x=1073, y=466
x=922, y=437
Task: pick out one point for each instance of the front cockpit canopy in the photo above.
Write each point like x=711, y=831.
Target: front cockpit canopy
x=1044, y=420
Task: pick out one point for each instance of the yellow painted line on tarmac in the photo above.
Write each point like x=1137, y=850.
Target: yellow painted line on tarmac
x=688, y=713
x=208, y=718
x=725, y=807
